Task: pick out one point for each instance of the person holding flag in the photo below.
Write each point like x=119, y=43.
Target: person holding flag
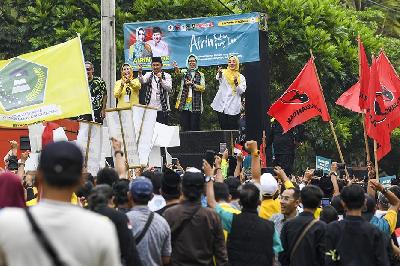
x=126, y=90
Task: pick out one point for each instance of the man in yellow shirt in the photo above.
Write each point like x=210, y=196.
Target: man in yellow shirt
x=126, y=90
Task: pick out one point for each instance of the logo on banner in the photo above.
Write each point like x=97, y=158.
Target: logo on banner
x=22, y=84
x=294, y=97
x=238, y=21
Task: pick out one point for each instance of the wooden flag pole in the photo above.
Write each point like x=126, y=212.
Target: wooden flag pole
x=89, y=136
x=141, y=126
x=376, y=161
x=232, y=145
x=366, y=139
x=330, y=121
x=123, y=136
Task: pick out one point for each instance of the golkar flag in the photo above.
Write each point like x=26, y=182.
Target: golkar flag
x=45, y=85
x=302, y=101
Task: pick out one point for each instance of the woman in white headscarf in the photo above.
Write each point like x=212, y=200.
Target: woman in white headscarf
x=189, y=102
x=140, y=48
x=227, y=101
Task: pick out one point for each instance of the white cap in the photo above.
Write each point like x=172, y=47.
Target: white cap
x=269, y=185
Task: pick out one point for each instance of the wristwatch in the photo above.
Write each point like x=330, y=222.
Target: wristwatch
x=208, y=178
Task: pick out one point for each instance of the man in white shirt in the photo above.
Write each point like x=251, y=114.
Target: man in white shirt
x=77, y=236
x=158, y=46
x=155, y=88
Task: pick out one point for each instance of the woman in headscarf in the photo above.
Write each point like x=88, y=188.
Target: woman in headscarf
x=126, y=90
x=189, y=102
x=12, y=193
x=140, y=49
x=227, y=101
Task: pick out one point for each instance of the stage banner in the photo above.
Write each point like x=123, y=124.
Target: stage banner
x=45, y=85
x=211, y=39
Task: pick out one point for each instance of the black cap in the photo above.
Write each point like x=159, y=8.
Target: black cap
x=170, y=183
x=61, y=164
x=156, y=59
x=193, y=179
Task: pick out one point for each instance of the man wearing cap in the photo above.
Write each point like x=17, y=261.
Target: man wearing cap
x=155, y=88
x=75, y=235
x=196, y=232
x=170, y=189
x=151, y=232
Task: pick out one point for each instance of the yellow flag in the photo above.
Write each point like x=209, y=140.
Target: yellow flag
x=45, y=85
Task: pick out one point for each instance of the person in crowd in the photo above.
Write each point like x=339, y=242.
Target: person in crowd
x=12, y=193
x=271, y=204
x=98, y=94
x=156, y=86
x=251, y=239
x=121, y=201
x=107, y=176
x=100, y=201
x=76, y=236
x=329, y=214
x=83, y=193
x=303, y=237
x=196, y=232
x=227, y=101
x=284, y=145
x=150, y=231
x=336, y=203
x=158, y=201
x=158, y=46
x=140, y=48
x=170, y=189
x=189, y=102
x=233, y=186
x=290, y=200
x=11, y=159
x=126, y=90
x=388, y=220
x=354, y=241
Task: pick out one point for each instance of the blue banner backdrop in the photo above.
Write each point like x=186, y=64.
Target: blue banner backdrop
x=211, y=39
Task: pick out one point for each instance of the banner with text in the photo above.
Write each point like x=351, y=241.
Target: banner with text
x=211, y=39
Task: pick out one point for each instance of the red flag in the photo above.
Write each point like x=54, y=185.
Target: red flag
x=350, y=98
x=364, y=75
x=376, y=120
x=390, y=90
x=302, y=101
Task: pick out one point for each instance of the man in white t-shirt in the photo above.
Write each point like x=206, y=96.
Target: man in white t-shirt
x=77, y=236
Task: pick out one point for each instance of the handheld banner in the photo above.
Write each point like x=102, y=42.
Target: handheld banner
x=89, y=140
x=323, y=163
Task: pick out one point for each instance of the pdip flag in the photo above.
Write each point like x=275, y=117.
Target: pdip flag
x=45, y=85
x=364, y=75
x=302, y=101
x=350, y=98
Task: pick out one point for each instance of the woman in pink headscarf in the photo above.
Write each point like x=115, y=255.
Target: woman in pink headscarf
x=11, y=191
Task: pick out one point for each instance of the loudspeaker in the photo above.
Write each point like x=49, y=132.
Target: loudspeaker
x=194, y=145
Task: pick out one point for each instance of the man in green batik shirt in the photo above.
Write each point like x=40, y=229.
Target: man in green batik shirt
x=98, y=94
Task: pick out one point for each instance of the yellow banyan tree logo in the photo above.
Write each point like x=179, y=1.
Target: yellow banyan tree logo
x=22, y=84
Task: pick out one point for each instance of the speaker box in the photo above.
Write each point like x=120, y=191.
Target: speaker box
x=194, y=145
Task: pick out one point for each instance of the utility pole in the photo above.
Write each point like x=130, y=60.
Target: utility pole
x=108, y=50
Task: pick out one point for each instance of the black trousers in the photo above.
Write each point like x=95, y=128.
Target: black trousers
x=190, y=121
x=162, y=117
x=228, y=122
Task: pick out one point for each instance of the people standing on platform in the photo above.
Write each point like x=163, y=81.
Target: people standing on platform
x=189, y=102
x=156, y=86
x=98, y=95
x=126, y=90
x=227, y=101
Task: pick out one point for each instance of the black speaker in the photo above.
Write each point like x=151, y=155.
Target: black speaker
x=194, y=145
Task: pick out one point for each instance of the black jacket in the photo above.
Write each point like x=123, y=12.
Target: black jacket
x=311, y=251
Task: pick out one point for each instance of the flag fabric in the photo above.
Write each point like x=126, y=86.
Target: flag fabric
x=376, y=120
x=302, y=101
x=364, y=75
x=350, y=98
x=45, y=85
x=390, y=90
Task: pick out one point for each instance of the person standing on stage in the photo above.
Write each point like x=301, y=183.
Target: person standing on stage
x=126, y=90
x=227, y=102
x=98, y=95
x=189, y=102
x=156, y=86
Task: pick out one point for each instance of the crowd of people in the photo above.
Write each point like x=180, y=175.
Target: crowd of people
x=217, y=215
